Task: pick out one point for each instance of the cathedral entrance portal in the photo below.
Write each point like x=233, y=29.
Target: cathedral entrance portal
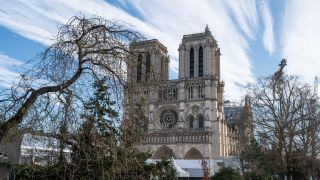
x=193, y=153
x=163, y=152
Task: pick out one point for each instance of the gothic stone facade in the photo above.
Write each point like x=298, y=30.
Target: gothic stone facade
x=186, y=116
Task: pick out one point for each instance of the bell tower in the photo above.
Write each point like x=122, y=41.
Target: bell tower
x=150, y=61
x=199, y=56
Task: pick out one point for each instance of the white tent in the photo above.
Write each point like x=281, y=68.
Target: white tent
x=193, y=168
x=180, y=172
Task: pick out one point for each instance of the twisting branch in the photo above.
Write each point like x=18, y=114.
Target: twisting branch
x=93, y=44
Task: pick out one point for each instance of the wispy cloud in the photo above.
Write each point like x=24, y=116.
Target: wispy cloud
x=245, y=13
x=268, y=37
x=175, y=19
x=39, y=20
x=233, y=24
x=301, y=38
x=8, y=70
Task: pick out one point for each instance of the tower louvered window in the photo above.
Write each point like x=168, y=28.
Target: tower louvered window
x=148, y=64
x=139, y=68
x=191, y=67
x=200, y=62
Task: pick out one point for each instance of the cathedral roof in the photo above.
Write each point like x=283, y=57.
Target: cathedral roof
x=202, y=35
x=196, y=35
x=234, y=113
x=148, y=43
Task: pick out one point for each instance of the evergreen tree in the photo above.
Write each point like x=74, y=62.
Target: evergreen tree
x=96, y=148
x=254, y=161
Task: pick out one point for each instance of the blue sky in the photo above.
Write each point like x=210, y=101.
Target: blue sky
x=253, y=35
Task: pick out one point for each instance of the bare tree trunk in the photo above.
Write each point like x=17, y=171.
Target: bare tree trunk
x=18, y=116
x=88, y=47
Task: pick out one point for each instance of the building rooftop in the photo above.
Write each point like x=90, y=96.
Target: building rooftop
x=150, y=41
x=198, y=35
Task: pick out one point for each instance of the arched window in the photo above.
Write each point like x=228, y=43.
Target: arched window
x=200, y=62
x=191, y=121
x=148, y=64
x=139, y=68
x=191, y=67
x=201, y=122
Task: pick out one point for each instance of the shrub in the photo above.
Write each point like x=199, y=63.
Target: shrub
x=226, y=173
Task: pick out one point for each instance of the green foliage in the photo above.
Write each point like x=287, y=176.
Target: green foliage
x=164, y=169
x=254, y=161
x=134, y=127
x=93, y=154
x=100, y=150
x=226, y=173
x=256, y=176
x=102, y=108
x=36, y=172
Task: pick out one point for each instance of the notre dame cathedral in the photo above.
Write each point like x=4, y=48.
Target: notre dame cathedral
x=188, y=117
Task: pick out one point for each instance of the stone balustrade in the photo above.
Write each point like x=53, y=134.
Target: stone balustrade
x=178, y=137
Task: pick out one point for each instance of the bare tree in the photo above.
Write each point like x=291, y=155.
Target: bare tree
x=84, y=49
x=286, y=119
x=56, y=99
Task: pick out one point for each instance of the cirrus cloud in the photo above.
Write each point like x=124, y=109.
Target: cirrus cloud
x=233, y=23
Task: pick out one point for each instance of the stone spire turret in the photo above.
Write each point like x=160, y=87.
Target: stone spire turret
x=207, y=30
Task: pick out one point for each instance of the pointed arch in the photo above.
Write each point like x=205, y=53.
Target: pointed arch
x=191, y=122
x=191, y=65
x=163, y=152
x=148, y=67
x=139, y=68
x=200, y=61
x=193, y=153
x=200, y=120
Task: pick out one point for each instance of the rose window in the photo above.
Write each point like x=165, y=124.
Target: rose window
x=168, y=118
